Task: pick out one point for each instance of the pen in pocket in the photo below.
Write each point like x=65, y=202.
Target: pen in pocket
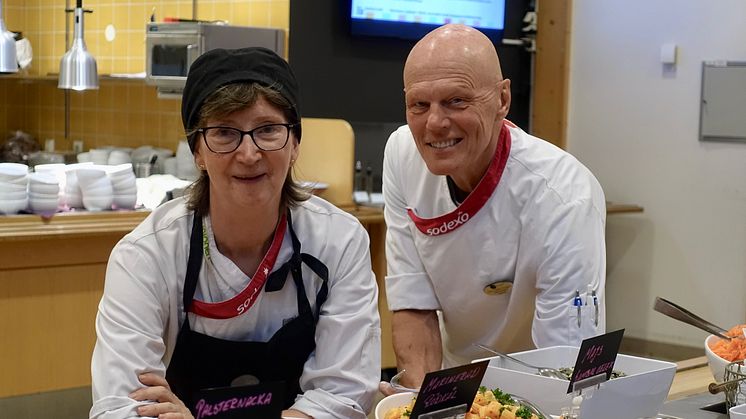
x=577, y=302
x=595, y=307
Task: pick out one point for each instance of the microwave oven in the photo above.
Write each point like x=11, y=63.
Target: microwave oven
x=172, y=47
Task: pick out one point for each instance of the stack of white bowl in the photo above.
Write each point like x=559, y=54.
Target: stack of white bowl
x=43, y=193
x=95, y=187
x=13, y=184
x=124, y=186
x=58, y=170
x=73, y=198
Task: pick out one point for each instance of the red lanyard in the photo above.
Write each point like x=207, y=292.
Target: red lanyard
x=246, y=298
x=477, y=198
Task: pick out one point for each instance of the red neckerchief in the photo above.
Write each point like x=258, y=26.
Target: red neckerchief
x=246, y=298
x=476, y=199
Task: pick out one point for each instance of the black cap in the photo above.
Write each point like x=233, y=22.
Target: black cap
x=219, y=67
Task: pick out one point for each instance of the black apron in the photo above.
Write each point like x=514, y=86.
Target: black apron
x=200, y=361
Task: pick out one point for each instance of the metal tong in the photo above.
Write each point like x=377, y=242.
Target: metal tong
x=679, y=313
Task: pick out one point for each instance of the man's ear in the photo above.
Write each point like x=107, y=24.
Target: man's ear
x=503, y=92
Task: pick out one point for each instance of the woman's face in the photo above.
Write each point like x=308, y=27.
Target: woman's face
x=247, y=177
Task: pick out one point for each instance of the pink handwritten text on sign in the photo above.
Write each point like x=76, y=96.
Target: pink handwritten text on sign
x=205, y=409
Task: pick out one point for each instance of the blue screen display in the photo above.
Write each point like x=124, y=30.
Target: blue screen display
x=411, y=19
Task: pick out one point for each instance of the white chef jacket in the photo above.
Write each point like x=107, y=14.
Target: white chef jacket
x=541, y=229
x=141, y=311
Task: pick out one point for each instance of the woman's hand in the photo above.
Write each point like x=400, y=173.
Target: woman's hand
x=156, y=388
x=294, y=414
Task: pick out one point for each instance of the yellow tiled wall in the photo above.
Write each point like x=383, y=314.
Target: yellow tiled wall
x=122, y=113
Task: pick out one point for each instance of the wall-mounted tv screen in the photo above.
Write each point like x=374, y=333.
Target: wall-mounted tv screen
x=411, y=19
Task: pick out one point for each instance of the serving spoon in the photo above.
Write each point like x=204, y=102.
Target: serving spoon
x=544, y=371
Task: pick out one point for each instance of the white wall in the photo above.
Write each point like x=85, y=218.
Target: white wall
x=636, y=127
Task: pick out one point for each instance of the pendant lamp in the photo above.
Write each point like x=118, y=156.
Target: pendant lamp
x=8, y=60
x=78, y=67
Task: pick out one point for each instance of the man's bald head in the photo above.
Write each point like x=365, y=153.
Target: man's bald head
x=456, y=100
x=454, y=45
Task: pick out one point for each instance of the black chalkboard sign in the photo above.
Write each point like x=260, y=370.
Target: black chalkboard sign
x=446, y=390
x=595, y=360
x=260, y=401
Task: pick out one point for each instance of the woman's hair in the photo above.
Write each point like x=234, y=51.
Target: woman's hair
x=224, y=101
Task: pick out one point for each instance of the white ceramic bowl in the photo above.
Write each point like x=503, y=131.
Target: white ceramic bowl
x=128, y=190
x=43, y=206
x=13, y=195
x=126, y=201
x=44, y=188
x=99, y=189
x=72, y=200
x=12, y=170
x=88, y=175
x=13, y=187
x=84, y=157
x=120, y=169
x=738, y=412
x=12, y=206
x=97, y=203
x=118, y=157
x=716, y=363
x=392, y=401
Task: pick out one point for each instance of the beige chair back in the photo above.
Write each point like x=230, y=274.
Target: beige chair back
x=327, y=155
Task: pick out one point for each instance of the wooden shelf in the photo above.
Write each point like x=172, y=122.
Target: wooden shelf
x=53, y=78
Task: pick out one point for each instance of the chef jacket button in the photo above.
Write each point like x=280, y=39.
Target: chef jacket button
x=498, y=288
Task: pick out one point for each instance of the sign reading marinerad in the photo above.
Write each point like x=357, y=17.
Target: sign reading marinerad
x=595, y=360
x=449, y=392
x=260, y=401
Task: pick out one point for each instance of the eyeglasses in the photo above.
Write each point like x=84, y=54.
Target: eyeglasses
x=270, y=137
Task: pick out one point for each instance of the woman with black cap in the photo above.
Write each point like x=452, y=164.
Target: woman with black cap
x=246, y=280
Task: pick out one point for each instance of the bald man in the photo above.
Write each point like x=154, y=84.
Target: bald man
x=491, y=232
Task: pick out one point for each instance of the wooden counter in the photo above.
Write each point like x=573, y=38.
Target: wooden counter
x=51, y=280
x=692, y=377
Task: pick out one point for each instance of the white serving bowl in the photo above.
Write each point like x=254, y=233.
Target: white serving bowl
x=640, y=393
x=716, y=363
x=12, y=206
x=738, y=411
x=392, y=401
